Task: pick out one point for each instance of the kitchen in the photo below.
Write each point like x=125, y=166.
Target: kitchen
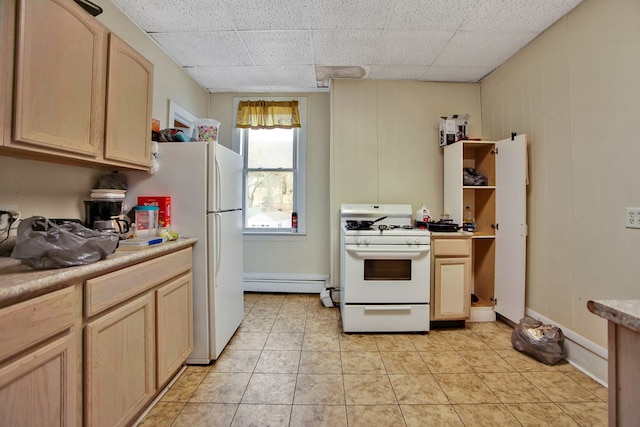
x=572, y=95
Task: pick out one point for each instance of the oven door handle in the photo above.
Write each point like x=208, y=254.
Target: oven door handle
x=363, y=251
x=387, y=308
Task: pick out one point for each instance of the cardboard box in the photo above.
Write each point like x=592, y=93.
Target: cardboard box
x=453, y=128
x=164, y=205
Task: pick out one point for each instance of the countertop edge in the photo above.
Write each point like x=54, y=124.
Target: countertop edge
x=622, y=312
x=19, y=282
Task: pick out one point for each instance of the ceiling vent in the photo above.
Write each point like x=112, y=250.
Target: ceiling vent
x=325, y=73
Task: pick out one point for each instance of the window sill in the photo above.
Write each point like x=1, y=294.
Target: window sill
x=272, y=233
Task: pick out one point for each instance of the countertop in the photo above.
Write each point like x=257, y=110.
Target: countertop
x=19, y=282
x=623, y=312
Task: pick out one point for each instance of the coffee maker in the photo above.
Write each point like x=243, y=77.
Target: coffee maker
x=106, y=215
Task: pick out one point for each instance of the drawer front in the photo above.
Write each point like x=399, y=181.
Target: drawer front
x=108, y=290
x=27, y=323
x=451, y=247
x=385, y=318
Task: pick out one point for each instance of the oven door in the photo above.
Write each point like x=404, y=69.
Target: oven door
x=383, y=274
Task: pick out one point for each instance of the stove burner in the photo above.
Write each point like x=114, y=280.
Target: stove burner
x=357, y=227
x=380, y=227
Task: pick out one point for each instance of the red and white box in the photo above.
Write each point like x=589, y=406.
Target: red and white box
x=164, y=205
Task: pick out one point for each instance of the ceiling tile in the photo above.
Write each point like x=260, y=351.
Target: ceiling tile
x=156, y=16
x=278, y=47
x=435, y=15
x=205, y=49
x=345, y=47
x=224, y=77
x=272, y=15
x=387, y=72
x=467, y=49
x=247, y=79
x=410, y=47
x=292, y=75
x=351, y=14
x=517, y=15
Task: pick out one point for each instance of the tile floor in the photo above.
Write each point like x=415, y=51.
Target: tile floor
x=289, y=364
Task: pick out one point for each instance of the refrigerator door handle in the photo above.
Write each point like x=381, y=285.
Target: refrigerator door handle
x=218, y=184
x=218, y=237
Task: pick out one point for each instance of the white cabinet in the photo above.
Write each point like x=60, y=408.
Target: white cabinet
x=499, y=243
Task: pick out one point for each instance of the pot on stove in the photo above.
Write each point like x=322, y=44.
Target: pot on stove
x=353, y=224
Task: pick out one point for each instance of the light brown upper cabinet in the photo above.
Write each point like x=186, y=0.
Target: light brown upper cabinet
x=130, y=85
x=77, y=92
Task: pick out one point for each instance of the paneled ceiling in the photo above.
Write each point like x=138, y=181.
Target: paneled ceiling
x=297, y=45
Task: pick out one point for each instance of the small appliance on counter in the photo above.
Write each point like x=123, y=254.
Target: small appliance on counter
x=105, y=211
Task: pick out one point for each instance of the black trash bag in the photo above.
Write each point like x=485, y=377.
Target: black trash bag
x=544, y=342
x=41, y=244
x=470, y=176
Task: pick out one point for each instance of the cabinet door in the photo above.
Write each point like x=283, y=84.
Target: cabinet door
x=128, y=125
x=60, y=79
x=511, y=217
x=174, y=314
x=452, y=296
x=120, y=363
x=39, y=388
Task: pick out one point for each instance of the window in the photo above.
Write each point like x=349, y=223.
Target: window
x=274, y=177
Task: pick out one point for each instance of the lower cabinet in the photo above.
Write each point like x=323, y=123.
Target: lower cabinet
x=174, y=314
x=451, y=266
x=134, y=347
x=120, y=363
x=39, y=388
x=39, y=361
x=98, y=351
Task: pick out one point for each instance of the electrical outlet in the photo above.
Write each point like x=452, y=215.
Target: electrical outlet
x=632, y=218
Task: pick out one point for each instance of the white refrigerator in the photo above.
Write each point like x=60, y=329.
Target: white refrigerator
x=204, y=181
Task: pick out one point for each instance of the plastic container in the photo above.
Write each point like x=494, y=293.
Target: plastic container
x=146, y=220
x=204, y=130
x=423, y=214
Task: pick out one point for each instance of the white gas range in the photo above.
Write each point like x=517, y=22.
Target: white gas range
x=384, y=269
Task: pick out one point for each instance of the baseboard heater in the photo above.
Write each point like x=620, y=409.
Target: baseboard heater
x=295, y=283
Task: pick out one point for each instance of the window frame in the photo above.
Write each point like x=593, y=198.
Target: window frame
x=239, y=139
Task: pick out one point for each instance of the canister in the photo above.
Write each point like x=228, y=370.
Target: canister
x=146, y=220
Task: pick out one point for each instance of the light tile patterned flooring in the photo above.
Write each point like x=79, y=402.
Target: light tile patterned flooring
x=289, y=364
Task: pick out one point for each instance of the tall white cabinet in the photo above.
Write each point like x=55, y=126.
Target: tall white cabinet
x=499, y=209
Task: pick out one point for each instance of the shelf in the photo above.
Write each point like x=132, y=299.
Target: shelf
x=483, y=236
x=482, y=303
x=479, y=187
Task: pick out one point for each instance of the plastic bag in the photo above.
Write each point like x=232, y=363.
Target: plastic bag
x=544, y=342
x=41, y=244
x=470, y=176
x=114, y=180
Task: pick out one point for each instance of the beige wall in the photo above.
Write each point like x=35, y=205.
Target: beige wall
x=308, y=254
x=54, y=190
x=575, y=91
x=384, y=146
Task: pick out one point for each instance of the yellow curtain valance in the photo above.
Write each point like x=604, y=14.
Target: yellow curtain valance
x=268, y=114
